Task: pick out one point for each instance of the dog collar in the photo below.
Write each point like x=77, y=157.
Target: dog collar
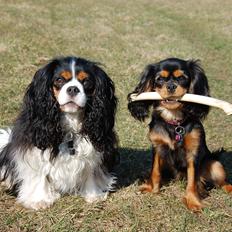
x=69, y=140
x=179, y=130
x=175, y=122
x=71, y=149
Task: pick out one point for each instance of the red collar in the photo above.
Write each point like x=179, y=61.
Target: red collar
x=175, y=122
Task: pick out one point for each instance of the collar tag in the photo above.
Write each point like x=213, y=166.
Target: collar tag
x=69, y=141
x=179, y=134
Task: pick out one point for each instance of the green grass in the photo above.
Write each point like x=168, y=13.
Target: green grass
x=124, y=36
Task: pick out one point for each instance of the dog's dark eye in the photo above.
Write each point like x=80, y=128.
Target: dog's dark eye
x=181, y=78
x=59, y=81
x=159, y=79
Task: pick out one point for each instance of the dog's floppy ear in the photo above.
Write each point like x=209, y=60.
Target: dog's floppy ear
x=140, y=110
x=199, y=85
x=40, y=114
x=147, y=79
x=99, y=116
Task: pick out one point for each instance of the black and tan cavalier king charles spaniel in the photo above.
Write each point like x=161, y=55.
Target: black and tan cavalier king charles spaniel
x=63, y=140
x=176, y=130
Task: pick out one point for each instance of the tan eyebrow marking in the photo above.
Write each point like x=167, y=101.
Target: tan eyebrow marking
x=66, y=75
x=82, y=75
x=164, y=73
x=178, y=73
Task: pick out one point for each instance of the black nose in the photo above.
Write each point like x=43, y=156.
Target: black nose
x=171, y=87
x=72, y=91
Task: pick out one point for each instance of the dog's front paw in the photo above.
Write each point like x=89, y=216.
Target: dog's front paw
x=37, y=205
x=192, y=202
x=90, y=198
x=227, y=188
x=145, y=188
x=148, y=187
x=38, y=202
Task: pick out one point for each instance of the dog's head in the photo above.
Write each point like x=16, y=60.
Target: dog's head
x=77, y=82
x=70, y=85
x=172, y=78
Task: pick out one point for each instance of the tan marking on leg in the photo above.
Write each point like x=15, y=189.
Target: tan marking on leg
x=191, y=198
x=161, y=138
x=214, y=171
x=153, y=184
x=191, y=144
x=217, y=173
x=227, y=188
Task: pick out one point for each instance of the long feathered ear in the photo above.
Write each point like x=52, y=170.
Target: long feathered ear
x=140, y=110
x=199, y=85
x=39, y=121
x=99, y=116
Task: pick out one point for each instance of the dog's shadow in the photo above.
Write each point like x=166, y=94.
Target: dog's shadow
x=134, y=165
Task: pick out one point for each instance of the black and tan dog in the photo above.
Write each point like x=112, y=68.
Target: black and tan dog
x=176, y=130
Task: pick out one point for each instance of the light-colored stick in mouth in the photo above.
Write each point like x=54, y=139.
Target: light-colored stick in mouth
x=209, y=101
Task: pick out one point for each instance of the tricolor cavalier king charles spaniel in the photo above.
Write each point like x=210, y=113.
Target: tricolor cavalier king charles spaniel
x=176, y=131
x=63, y=140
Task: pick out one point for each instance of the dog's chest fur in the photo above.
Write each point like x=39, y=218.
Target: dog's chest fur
x=66, y=172
x=69, y=171
x=41, y=178
x=173, y=152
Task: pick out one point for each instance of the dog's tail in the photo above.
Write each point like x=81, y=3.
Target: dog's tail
x=5, y=135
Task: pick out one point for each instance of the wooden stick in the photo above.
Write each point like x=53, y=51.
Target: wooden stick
x=226, y=106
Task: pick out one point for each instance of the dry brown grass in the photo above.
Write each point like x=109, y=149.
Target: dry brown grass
x=124, y=36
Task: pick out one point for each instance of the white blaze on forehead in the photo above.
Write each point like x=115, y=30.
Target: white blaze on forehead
x=73, y=69
x=74, y=81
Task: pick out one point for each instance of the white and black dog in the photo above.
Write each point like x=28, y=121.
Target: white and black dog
x=63, y=140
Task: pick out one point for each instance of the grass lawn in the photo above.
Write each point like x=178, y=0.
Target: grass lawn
x=124, y=36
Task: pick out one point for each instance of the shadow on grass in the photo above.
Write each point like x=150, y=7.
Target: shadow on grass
x=134, y=166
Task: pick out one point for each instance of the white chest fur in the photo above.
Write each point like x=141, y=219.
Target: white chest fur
x=43, y=180
x=69, y=172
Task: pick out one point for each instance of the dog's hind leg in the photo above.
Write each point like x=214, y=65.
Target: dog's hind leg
x=214, y=172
